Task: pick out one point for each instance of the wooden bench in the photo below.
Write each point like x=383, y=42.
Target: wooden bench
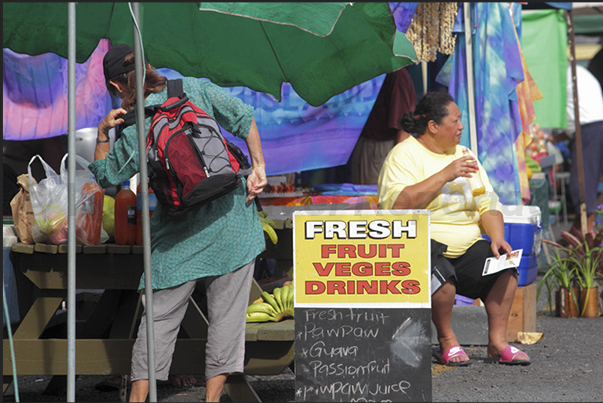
x=116, y=269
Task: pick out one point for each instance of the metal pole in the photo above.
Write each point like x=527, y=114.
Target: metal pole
x=578, y=134
x=470, y=79
x=144, y=190
x=71, y=208
x=424, y=74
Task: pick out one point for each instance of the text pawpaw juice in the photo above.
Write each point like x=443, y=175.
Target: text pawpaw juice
x=152, y=205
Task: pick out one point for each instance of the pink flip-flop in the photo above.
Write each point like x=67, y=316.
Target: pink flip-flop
x=508, y=356
x=454, y=351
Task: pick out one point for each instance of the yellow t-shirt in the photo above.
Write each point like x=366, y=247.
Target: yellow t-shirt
x=455, y=213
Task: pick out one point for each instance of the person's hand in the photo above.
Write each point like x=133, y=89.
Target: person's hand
x=465, y=166
x=112, y=119
x=256, y=181
x=499, y=245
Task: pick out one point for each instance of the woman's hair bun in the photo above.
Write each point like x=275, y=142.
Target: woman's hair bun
x=408, y=122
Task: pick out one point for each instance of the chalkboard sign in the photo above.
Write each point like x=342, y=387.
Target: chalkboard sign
x=362, y=354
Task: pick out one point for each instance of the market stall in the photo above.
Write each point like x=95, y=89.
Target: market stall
x=387, y=51
x=109, y=310
x=342, y=114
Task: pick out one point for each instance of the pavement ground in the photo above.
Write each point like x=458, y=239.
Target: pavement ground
x=567, y=366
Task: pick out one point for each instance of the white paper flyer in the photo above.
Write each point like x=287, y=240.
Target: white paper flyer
x=494, y=265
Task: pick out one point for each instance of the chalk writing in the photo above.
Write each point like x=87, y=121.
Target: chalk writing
x=314, y=332
x=340, y=390
x=357, y=316
x=319, y=350
x=335, y=369
x=335, y=315
x=362, y=354
x=322, y=314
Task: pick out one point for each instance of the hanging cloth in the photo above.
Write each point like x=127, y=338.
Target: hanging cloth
x=498, y=70
x=527, y=93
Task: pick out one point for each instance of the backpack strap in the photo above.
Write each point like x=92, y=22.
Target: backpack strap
x=175, y=88
x=130, y=118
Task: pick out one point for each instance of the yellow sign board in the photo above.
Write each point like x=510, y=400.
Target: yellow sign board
x=362, y=258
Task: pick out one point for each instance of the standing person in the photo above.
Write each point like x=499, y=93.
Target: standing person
x=595, y=66
x=381, y=131
x=590, y=102
x=431, y=171
x=216, y=242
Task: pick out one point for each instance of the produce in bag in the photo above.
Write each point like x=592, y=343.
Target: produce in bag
x=49, y=199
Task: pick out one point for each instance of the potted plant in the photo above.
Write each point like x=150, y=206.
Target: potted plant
x=566, y=295
x=587, y=258
x=584, y=255
x=589, y=291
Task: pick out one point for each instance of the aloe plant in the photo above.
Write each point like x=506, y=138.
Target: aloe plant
x=584, y=254
x=560, y=271
x=590, y=244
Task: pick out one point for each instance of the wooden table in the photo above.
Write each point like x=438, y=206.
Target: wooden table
x=104, y=338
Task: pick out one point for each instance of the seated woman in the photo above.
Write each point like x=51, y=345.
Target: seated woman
x=430, y=170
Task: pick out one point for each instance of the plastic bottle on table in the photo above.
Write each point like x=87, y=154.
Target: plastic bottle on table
x=125, y=216
x=89, y=217
x=152, y=205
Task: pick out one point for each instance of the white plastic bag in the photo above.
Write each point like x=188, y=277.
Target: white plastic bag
x=49, y=200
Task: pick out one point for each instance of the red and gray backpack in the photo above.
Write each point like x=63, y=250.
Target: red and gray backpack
x=190, y=162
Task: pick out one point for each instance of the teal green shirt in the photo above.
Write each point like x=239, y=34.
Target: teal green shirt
x=213, y=239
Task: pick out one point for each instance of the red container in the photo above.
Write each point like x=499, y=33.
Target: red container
x=125, y=216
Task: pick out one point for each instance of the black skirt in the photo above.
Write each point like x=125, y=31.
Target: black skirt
x=465, y=271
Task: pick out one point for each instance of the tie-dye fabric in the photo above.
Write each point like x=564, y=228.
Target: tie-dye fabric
x=527, y=93
x=403, y=13
x=497, y=70
x=295, y=136
x=35, y=94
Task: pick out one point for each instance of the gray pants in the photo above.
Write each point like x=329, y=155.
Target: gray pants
x=367, y=160
x=227, y=300
x=592, y=150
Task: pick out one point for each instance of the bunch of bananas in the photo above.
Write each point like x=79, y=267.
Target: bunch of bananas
x=268, y=226
x=272, y=307
x=532, y=164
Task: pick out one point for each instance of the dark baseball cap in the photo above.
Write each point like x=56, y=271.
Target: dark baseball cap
x=113, y=62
